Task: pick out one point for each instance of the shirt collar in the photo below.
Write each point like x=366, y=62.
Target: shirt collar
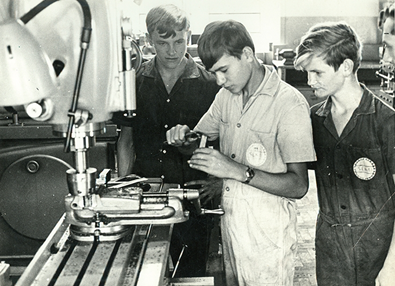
x=190, y=71
x=366, y=106
x=270, y=83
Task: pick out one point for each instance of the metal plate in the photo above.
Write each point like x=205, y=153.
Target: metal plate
x=32, y=194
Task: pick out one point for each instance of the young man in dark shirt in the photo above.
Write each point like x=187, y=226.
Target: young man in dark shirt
x=171, y=88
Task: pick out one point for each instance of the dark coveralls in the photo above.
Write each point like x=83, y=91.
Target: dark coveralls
x=355, y=192
x=157, y=112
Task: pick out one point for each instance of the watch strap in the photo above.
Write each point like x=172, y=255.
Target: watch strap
x=249, y=175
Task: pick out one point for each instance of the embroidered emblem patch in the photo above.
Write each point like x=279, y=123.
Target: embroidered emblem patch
x=256, y=154
x=364, y=169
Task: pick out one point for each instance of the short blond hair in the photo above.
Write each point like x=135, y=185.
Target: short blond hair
x=332, y=41
x=167, y=19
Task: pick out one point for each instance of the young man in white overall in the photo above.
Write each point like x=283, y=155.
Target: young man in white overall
x=265, y=136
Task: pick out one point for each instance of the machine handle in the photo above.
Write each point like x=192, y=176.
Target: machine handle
x=214, y=212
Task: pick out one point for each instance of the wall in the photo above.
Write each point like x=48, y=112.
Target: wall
x=261, y=17
x=279, y=22
x=5, y=11
x=298, y=16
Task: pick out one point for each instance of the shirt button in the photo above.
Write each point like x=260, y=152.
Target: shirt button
x=166, y=126
x=233, y=156
x=164, y=151
x=227, y=189
x=168, y=100
x=238, y=125
x=162, y=177
x=343, y=207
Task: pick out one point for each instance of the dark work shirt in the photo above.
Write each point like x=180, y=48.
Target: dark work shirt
x=158, y=111
x=354, y=171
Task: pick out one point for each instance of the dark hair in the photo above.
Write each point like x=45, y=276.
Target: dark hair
x=334, y=42
x=223, y=37
x=166, y=19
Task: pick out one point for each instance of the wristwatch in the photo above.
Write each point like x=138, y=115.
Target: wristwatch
x=249, y=174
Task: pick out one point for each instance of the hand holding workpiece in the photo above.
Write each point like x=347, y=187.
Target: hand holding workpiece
x=215, y=163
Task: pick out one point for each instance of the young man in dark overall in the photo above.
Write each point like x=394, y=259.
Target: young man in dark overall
x=354, y=138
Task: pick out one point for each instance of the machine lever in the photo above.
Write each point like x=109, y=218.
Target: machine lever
x=214, y=212
x=179, y=259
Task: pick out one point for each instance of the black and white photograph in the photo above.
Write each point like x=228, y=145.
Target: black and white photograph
x=197, y=143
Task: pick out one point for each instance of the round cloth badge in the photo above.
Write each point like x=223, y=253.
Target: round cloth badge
x=364, y=169
x=256, y=154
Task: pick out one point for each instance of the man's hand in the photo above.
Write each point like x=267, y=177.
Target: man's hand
x=386, y=276
x=208, y=189
x=215, y=163
x=176, y=135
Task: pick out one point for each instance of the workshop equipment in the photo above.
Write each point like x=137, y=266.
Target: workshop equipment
x=386, y=74
x=287, y=56
x=5, y=274
x=386, y=71
x=120, y=249
x=114, y=231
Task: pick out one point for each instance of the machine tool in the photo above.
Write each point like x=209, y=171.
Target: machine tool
x=386, y=74
x=287, y=56
x=386, y=71
x=115, y=231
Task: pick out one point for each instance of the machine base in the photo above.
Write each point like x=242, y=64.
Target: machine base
x=139, y=258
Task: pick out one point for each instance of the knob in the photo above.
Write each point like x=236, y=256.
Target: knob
x=32, y=167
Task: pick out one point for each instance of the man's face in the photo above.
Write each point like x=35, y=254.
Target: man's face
x=323, y=78
x=231, y=72
x=389, y=41
x=171, y=51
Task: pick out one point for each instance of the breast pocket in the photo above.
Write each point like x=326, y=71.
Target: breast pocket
x=262, y=150
x=367, y=165
x=370, y=178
